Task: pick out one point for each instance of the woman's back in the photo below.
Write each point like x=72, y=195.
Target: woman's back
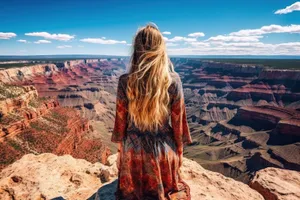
x=173, y=90
x=150, y=148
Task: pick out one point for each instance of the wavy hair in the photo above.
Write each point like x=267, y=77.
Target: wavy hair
x=148, y=80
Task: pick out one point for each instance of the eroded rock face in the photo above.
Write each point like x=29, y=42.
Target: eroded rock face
x=277, y=184
x=49, y=176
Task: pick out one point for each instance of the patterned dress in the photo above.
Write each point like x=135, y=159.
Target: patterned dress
x=149, y=162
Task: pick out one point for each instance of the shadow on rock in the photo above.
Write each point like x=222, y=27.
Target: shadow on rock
x=106, y=192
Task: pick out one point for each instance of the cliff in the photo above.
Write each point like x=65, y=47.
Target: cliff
x=48, y=176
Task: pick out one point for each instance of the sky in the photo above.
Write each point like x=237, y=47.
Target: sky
x=107, y=27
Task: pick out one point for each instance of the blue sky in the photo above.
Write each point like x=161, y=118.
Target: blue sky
x=232, y=27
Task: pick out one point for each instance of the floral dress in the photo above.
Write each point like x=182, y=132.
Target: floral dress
x=149, y=162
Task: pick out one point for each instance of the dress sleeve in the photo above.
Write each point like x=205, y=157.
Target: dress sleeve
x=120, y=126
x=178, y=118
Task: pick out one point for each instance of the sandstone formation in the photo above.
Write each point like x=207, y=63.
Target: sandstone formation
x=277, y=184
x=48, y=176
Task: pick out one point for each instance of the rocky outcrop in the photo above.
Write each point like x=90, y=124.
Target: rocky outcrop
x=277, y=184
x=48, y=176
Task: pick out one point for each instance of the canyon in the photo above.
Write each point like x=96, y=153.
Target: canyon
x=243, y=118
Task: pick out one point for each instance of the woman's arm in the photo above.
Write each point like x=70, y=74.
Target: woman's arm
x=121, y=113
x=179, y=119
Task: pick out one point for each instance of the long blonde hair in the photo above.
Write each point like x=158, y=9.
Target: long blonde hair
x=149, y=79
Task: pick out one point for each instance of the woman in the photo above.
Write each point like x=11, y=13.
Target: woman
x=148, y=97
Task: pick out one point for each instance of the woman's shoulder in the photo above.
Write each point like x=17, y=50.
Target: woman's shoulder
x=123, y=78
x=176, y=80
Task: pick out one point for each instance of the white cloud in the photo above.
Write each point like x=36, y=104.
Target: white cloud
x=267, y=30
x=200, y=44
x=232, y=38
x=42, y=42
x=181, y=39
x=289, y=9
x=256, y=48
x=129, y=44
x=197, y=34
x=64, y=46
x=61, y=37
x=171, y=44
x=103, y=38
x=80, y=46
x=6, y=36
x=22, y=41
x=166, y=33
x=102, y=41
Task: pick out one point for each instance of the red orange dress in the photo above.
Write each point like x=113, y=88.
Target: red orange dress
x=149, y=162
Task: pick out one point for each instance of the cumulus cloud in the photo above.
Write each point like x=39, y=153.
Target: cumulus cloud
x=61, y=37
x=64, y=46
x=42, y=42
x=6, y=36
x=166, y=33
x=289, y=9
x=102, y=41
x=233, y=38
x=267, y=30
x=197, y=34
x=22, y=41
x=181, y=39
